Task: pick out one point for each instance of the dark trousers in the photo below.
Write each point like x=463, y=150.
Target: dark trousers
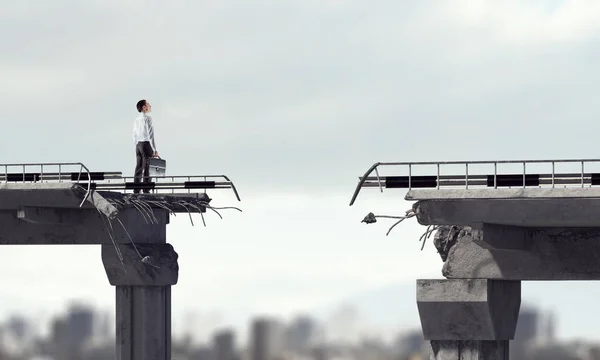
x=143, y=151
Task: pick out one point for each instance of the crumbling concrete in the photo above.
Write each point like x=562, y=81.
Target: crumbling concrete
x=553, y=254
x=160, y=269
x=445, y=238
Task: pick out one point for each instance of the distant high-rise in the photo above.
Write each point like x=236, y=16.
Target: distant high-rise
x=18, y=326
x=224, y=345
x=260, y=340
x=266, y=339
x=320, y=353
x=103, y=325
x=203, y=353
x=409, y=343
x=527, y=325
x=59, y=339
x=300, y=333
x=525, y=334
x=80, y=324
x=550, y=328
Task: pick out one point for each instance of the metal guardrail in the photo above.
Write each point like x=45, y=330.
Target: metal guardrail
x=465, y=180
x=165, y=184
x=111, y=181
x=35, y=172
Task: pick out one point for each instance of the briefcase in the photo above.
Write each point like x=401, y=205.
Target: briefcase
x=158, y=167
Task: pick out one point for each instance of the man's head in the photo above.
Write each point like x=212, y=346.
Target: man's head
x=143, y=106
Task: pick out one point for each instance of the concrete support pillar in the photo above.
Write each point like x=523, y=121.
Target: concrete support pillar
x=143, y=322
x=469, y=350
x=470, y=319
x=143, y=299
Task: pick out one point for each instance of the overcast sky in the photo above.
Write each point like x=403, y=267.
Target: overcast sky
x=293, y=100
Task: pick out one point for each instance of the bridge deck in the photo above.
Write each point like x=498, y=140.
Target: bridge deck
x=65, y=203
x=518, y=193
x=534, y=193
x=72, y=185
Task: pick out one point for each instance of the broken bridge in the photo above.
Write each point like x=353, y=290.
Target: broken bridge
x=498, y=223
x=65, y=203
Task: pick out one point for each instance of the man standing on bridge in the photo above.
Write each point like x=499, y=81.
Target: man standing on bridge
x=145, y=148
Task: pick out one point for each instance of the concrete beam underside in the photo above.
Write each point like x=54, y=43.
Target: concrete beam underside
x=543, y=212
x=48, y=226
x=469, y=319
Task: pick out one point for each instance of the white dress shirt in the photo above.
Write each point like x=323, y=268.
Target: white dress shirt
x=143, y=130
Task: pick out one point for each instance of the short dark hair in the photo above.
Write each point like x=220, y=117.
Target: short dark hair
x=140, y=105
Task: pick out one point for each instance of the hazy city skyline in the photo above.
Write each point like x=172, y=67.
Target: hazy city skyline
x=80, y=332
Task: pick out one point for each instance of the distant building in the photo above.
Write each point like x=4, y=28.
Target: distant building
x=527, y=325
x=300, y=334
x=203, y=353
x=266, y=339
x=320, y=353
x=526, y=334
x=103, y=325
x=224, y=345
x=19, y=327
x=550, y=328
x=409, y=343
x=545, y=351
x=72, y=333
x=80, y=324
x=59, y=339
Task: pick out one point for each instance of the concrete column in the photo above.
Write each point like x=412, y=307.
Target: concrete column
x=143, y=322
x=143, y=299
x=469, y=350
x=469, y=319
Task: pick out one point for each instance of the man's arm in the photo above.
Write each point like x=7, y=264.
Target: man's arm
x=151, y=134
